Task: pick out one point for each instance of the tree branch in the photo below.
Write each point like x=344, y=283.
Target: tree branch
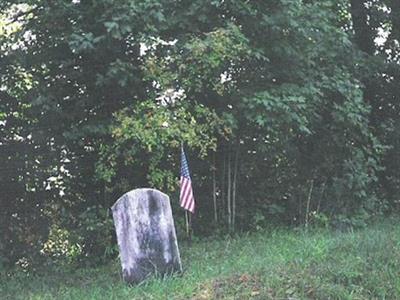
x=22, y=14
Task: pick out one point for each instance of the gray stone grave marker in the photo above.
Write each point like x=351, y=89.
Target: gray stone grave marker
x=146, y=235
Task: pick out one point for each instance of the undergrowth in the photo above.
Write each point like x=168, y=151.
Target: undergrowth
x=273, y=264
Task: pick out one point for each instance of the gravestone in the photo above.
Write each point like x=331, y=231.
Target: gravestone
x=146, y=235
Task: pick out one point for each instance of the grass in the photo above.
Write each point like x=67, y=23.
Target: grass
x=275, y=264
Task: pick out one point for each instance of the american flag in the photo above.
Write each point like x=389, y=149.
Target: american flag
x=186, y=197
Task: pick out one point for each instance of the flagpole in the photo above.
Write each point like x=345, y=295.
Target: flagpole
x=187, y=222
x=189, y=226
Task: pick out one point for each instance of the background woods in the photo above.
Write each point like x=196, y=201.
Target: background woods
x=289, y=111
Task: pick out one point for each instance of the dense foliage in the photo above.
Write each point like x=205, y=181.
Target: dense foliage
x=288, y=111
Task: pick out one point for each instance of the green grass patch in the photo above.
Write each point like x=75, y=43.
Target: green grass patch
x=274, y=264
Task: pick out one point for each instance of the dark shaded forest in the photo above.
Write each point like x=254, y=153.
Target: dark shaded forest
x=288, y=110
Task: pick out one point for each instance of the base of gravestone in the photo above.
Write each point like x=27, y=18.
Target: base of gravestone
x=146, y=235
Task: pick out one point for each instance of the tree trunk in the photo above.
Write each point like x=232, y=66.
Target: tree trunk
x=363, y=34
x=395, y=17
x=215, y=190
x=300, y=208
x=228, y=198
x=320, y=197
x=223, y=186
x=234, y=190
x=308, y=203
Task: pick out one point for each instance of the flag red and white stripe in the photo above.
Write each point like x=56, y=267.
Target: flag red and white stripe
x=186, y=196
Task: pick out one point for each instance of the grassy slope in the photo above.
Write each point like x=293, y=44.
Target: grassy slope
x=278, y=264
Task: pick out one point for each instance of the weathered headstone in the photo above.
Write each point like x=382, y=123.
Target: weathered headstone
x=146, y=234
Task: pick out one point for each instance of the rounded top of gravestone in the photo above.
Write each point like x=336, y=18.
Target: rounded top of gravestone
x=136, y=193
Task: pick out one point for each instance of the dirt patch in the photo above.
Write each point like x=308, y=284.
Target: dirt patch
x=239, y=286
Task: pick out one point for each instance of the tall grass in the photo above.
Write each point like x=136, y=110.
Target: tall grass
x=273, y=264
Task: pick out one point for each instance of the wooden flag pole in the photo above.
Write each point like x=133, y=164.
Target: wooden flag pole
x=188, y=219
x=187, y=222
x=190, y=229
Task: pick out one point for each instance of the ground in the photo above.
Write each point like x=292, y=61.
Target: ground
x=269, y=264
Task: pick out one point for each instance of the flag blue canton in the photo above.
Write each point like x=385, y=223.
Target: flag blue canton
x=184, y=166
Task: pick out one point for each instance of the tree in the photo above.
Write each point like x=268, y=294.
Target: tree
x=279, y=103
